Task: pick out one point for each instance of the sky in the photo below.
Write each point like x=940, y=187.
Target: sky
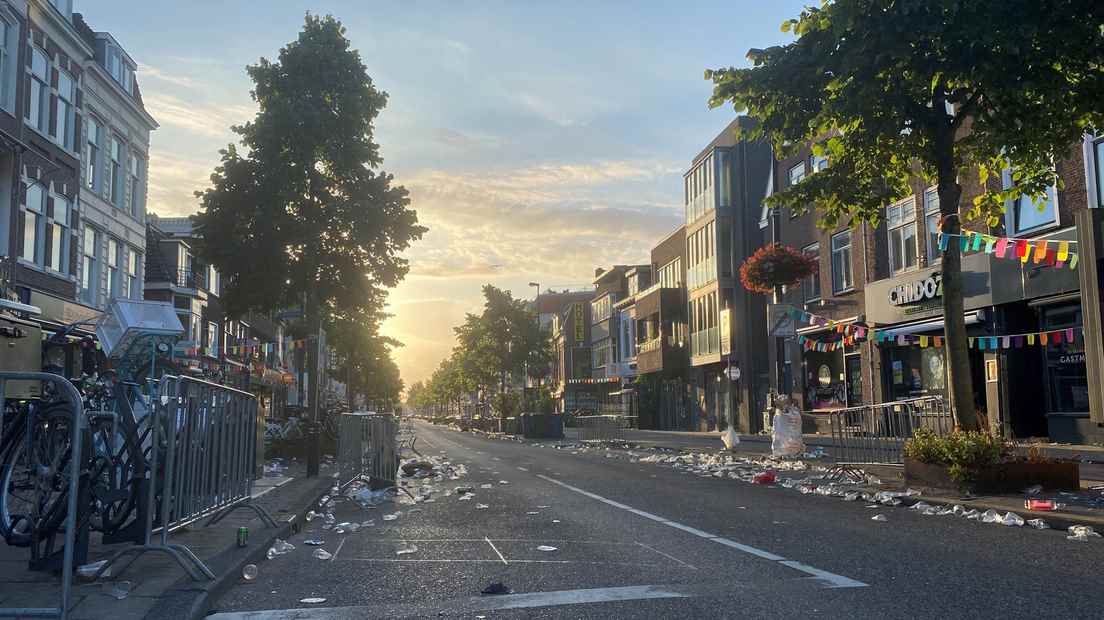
x=538, y=140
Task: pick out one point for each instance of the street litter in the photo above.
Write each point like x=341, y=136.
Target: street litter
x=280, y=547
x=852, y=496
x=311, y=600
x=555, y=520
x=369, y=523
x=314, y=542
x=504, y=482
x=119, y=590
x=1038, y=524
x=322, y=554
x=467, y=496
x=1043, y=505
x=1012, y=519
x=310, y=515
x=463, y=490
x=407, y=550
x=730, y=439
x=481, y=506
x=546, y=548
x=764, y=477
x=392, y=516
x=533, y=512
x=88, y=571
x=786, y=439
x=972, y=514
x=1033, y=490
x=368, y=498
x=1082, y=533
x=250, y=572
x=486, y=486
x=497, y=588
x=990, y=516
x=879, y=518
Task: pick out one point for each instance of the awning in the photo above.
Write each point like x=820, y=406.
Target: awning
x=933, y=325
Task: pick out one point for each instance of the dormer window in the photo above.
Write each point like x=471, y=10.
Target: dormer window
x=120, y=68
x=65, y=7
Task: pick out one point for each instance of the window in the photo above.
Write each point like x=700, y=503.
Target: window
x=66, y=112
x=212, y=280
x=1067, y=387
x=90, y=276
x=38, y=111
x=131, y=288
x=92, y=154
x=811, y=285
x=34, y=233
x=64, y=6
x=841, y=262
x=1026, y=214
x=931, y=223
x=120, y=69
x=8, y=34
x=901, y=227
x=818, y=162
x=212, y=339
x=797, y=173
x=58, y=237
x=113, y=260
x=115, y=153
x=135, y=169
x=670, y=275
x=600, y=309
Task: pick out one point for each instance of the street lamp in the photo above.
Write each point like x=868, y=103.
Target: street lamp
x=537, y=285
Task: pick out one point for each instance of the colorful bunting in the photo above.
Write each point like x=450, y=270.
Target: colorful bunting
x=1038, y=251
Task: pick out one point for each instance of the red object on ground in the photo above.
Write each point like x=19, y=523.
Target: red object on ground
x=764, y=477
x=1040, y=504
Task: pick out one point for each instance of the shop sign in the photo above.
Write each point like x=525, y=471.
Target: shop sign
x=577, y=313
x=726, y=331
x=1073, y=358
x=918, y=291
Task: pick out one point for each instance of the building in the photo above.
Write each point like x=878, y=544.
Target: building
x=888, y=278
x=571, y=382
x=115, y=138
x=724, y=187
x=662, y=339
x=607, y=368
x=550, y=307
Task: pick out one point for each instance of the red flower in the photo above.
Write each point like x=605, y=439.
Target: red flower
x=776, y=265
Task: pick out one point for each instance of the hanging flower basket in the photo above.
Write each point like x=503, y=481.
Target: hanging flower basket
x=776, y=265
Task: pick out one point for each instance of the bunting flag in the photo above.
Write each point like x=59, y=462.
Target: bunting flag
x=1055, y=253
x=989, y=343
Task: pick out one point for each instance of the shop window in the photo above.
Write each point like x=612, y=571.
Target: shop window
x=1026, y=214
x=825, y=380
x=931, y=223
x=1066, y=381
x=901, y=228
x=811, y=285
x=841, y=262
x=912, y=372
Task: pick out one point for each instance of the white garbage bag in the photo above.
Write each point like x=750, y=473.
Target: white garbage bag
x=730, y=439
x=786, y=439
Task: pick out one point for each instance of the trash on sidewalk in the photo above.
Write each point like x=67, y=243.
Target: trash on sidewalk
x=786, y=438
x=280, y=547
x=392, y=516
x=312, y=600
x=322, y=554
x=464, y=489
x=504, y=482
x=730, y=439
x=407, y=550
x=991, y=516
x=314, y=542
x=88, y=571
x=496, y=588
x=1038, y=524
x=465, y=497
x=310, y=515
x=250, y=572
x=119, y=590
x=546, y=548
x=1082, y=533
x=481, y=506
x=765, y=477
x=1012, y=519
x=879, y=518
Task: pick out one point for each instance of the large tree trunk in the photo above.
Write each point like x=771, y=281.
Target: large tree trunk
x=960, y=384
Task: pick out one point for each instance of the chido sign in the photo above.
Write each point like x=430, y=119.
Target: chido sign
x=920, y=290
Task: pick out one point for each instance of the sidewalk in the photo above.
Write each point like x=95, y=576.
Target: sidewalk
x=160, y=588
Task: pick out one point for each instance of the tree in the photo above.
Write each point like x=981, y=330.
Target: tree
x=364, y=362
x=304, y=211
x=888, y=89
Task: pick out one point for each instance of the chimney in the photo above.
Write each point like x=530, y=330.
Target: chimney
x=598, y=271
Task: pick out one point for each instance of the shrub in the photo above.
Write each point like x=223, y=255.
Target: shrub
x=776, y=265
x=962, y=452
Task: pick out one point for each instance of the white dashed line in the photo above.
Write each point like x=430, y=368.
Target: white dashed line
x=499, y=553
x=831, y=579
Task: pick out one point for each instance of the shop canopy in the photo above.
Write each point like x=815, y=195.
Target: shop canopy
x=933, y=325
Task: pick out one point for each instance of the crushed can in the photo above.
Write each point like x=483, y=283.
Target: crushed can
x=1041, y=505
x=243, y=536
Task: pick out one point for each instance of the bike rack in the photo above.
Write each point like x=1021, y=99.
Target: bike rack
x=73, y=397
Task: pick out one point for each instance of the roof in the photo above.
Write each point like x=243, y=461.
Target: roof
x=726, y=138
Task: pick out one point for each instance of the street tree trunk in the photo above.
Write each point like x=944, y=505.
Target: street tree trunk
x=960, y=384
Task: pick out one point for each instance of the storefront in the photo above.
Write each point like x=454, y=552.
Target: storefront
x=831, y=373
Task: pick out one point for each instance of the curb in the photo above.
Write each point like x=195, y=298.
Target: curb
x=192, y=600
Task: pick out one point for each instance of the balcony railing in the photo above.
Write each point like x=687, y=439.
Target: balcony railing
x=701, y=205
x=701, y=274
x=650, y=345
x=184, y=278
x=705, y=342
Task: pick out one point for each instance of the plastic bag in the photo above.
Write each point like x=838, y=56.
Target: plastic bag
x=730, y=439
x=786, y=439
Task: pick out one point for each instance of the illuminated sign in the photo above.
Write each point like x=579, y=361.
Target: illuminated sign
x=920, y=290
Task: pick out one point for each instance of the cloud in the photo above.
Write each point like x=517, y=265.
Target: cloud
x=147, y=72
x=173, y=180
x=207, y=119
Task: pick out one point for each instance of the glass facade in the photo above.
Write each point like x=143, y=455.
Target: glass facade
x=1067, y=387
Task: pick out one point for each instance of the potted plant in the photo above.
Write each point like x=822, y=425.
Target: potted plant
x=982, y=463
x=776, y=265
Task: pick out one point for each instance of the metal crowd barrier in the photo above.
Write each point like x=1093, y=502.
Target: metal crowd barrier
x=604, y=427
x=368, y=447
x=71, y=396
x=876, y=434
x=208, y=434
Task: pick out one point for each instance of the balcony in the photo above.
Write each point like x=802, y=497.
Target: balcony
x=658, y=353
x=704, y=203
x=177, y=278
x=701, y=274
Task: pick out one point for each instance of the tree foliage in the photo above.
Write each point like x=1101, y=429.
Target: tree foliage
x=364, y=361
x=890, y=89
x=303, y=209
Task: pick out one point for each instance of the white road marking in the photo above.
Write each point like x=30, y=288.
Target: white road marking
x=577, y=597
x=338, y=550
x=500, y=556
x=515, y=561
x=522, y=469
x=831, y=579
x=668, y=556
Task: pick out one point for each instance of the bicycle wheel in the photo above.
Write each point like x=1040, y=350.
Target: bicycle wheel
x=36, y=476
x=115, y=471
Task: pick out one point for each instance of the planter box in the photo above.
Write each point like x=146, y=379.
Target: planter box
x=1001, y=478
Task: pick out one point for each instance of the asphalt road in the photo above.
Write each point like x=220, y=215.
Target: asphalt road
x=639, y=540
